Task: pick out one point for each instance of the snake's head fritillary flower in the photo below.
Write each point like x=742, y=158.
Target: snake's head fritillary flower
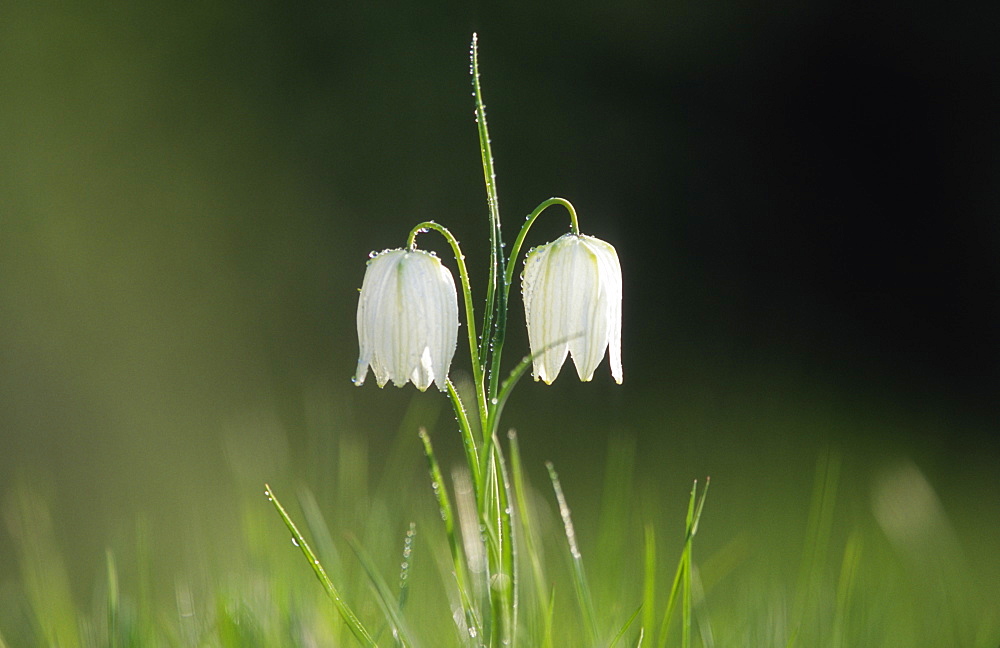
x=572, y=292
x=407, y=320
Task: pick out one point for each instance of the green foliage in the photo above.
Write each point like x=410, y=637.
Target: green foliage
x=827, y=588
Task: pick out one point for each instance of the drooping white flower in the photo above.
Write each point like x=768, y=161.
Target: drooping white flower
x=407, y=319
x=572, y=292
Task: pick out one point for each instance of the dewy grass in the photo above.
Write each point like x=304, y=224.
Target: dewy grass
x=343, y=608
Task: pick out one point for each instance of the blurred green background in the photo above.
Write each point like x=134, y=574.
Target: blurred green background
x=803, y=196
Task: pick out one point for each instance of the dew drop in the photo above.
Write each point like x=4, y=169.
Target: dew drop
x=295, y=542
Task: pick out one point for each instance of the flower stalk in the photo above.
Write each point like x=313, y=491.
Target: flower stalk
x=572, y=291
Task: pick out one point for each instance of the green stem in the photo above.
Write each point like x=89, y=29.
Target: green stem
x=515, y=250
x=470, y=316
x=468, y=439
x=496, y=308
x=507, y=585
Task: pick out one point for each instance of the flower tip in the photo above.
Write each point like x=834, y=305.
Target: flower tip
x=546, y=378
x=615, y=353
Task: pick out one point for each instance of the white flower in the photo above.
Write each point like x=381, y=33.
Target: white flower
x=407, y=319
x=572, y=291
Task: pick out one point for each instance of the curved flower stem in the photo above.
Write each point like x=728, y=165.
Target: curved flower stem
x=508, y=279
x=515, y=250
x=470, y=316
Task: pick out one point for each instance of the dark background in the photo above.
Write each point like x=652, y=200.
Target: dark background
x=803, y=196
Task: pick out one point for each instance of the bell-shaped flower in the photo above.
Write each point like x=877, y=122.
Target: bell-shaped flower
x=407, y=319
x=572, y=292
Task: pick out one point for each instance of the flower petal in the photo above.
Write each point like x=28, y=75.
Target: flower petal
x=407, y=319
x=572, y=299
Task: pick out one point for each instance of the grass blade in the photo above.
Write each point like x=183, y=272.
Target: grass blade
x=407, y=562
x=649, y=580
x=352, y=621
x=43, y=571
x=579, y=577
x=526, y=519
x=114, y=602
x=682, y=577
x=628, y=624
x=846, y=587
x=815, y=552
x=384, y=596
x=319, y=531
x=448, y=517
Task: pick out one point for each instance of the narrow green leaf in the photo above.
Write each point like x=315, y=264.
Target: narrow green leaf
x=352, y=621
x=448, y=517
x=495, y=315
x=625, y=627
x=681, y=586
x=531, y=543
x=114, y=629
x=649, y=579
x=507, y=583
x=387, y=602
x=579, y=577
x=406, y=564
x=846, y=586
x=818, y=531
